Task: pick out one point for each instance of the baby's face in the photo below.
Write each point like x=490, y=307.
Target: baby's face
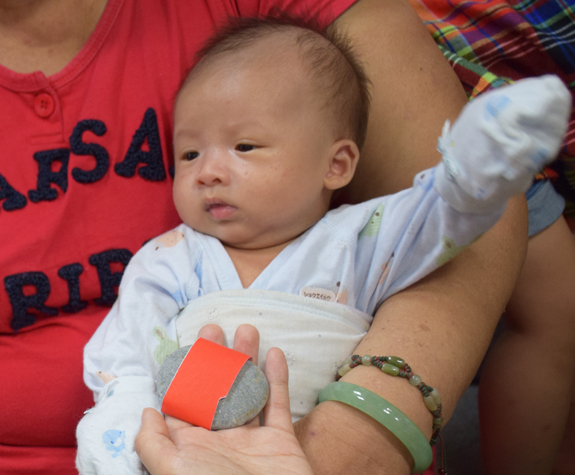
x=251, y=150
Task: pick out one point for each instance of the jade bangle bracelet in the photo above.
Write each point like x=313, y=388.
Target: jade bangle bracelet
x=387, y=415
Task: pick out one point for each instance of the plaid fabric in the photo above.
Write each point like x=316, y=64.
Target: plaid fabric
x=490, y=43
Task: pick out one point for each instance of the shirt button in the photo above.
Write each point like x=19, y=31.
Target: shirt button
x=43, y=104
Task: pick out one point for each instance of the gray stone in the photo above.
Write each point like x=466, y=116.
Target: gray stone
x=168, y=369
x=246, y=398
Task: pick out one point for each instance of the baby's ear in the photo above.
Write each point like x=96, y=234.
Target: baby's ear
x=344, y=157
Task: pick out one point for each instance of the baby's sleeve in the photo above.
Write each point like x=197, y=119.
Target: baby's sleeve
x=417, y=232
x=492, y=152
x=122, y=359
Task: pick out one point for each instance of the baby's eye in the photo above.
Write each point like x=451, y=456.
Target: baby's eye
x=191, y=155
x=244, y=147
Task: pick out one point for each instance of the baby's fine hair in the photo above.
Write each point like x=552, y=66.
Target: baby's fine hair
x=327, y=55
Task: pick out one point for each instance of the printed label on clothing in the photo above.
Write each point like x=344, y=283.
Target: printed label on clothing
x=318, y=293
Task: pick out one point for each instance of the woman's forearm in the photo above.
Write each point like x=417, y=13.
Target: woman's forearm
x=442, y=327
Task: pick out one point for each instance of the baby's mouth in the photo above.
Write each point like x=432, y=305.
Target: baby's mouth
x=219, y=210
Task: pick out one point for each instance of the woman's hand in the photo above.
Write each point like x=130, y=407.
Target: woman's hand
x=173, y=447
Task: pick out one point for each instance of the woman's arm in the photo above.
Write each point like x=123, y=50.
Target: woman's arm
x=414, y=91
x=442, y=325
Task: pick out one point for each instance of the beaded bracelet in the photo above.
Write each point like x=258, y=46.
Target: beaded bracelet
x=387, y=415
x=395, y=366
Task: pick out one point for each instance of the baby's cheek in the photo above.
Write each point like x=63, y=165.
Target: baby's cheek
x=182, y=199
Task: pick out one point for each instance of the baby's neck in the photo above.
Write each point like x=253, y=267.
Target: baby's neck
x=250, y=263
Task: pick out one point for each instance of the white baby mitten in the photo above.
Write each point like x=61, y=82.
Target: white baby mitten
x=106, y=434
x=500, y=141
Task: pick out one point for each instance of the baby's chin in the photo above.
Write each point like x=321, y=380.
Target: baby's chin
x=226, y=236
x=261, y=245
x=241, y=240
x=249, y=245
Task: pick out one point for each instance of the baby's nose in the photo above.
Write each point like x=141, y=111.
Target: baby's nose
x=212, y=170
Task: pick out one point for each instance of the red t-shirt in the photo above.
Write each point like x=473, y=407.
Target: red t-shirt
x=84, y=182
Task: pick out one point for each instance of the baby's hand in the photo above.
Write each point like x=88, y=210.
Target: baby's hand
x=505, y=136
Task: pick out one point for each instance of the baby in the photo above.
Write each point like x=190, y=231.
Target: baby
x=268, y=124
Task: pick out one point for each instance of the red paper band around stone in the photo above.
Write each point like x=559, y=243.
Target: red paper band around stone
x=204, y=377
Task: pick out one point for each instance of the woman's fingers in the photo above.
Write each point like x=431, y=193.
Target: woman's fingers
x=247, y=340
x=277, y=411
x=153, y=444
x=174, y=423
x=212, y=332
x=178, y=429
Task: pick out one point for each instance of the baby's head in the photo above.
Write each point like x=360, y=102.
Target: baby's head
x=267, y=126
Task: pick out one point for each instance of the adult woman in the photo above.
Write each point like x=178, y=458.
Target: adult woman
x=71, y=220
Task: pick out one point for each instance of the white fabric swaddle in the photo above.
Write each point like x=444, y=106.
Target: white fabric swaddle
x=316, y=336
